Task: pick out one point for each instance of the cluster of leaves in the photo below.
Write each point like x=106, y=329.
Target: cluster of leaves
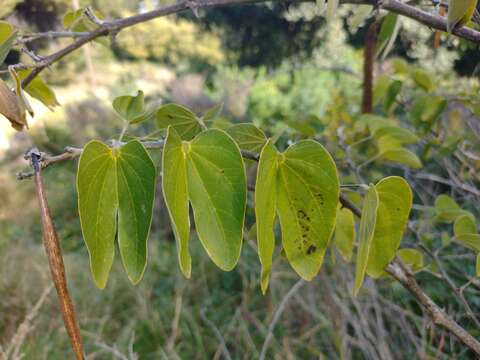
x=203, y=167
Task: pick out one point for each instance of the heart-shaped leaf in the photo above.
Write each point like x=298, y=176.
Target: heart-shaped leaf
x=411, y=257
x=113, y=182
x=216, y=184
x=306, y=200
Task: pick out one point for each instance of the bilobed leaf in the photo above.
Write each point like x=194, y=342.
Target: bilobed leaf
x=38, y=89
x=136, y=190
x=21, y=97
x=113, y=182
x=394, y=204
x=265, y=208
x=464, y=224
x=345, y=233
x=7, y=39
x=174, y=185
x=185, y=122
x=76, y=21
x=412, y=258
x=365, y=235
x=130, y=108
x=217, y=192
x=247, y=136
x=307, y=199
x=427, y=108
x=97, y=205
x=446, y=209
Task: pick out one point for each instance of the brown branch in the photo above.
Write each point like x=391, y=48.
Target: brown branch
x=55, y=260
x=113, y=27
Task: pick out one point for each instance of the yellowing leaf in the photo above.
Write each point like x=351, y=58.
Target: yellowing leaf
x=365, y=235
x=265, y=209
x=111, y=183
x=402, y=156
x=345, y=233
x=247, y=136
x=394, y=204
x=185, y=123
x=402, y=135
x=301, y=185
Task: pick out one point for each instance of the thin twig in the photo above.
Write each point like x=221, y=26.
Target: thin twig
x=277, y=315
x=113, y=27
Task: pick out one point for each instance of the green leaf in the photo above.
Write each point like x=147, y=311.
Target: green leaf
x=345, y=233
x=38, y=89
x=110, y=183
x=213, y=169
x=423, y=79
x=76, y=21
x=401, y=135
x=477, y=266
x=472, y=241
x=386, y=31
x=402, y=156
x=411, y=257
x=212, y=113
x=97, y=205
x=130, y=108
x=392, y=92
x=394, y=204
x=265, y=208
x=365, y=235
x=136, y=175
x=185, y=122
x=217, y=191
x=174, y=185
x=427, y=109
x=247, y=136
x=446, y=209
x=8, y=36
x=307, y=199
x=465, y=224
